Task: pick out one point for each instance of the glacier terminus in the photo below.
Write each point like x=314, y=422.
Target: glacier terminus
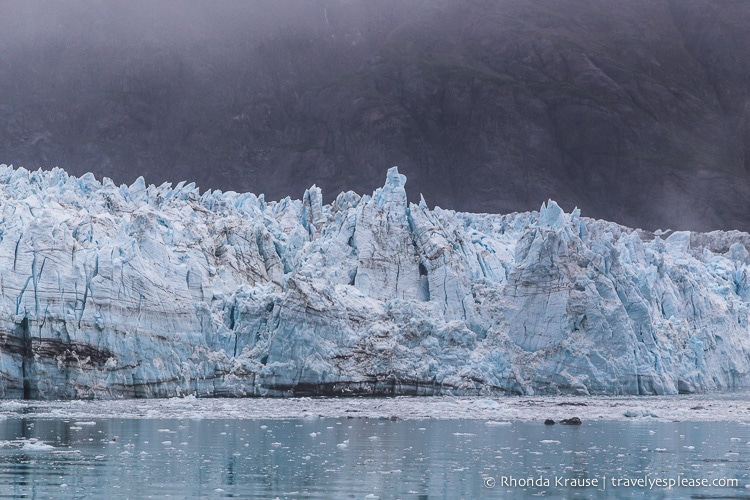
x=141, y=291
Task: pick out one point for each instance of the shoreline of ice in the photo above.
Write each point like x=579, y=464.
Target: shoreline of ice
x=729, y=406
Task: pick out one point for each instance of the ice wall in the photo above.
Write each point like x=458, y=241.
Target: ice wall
x=144, y=291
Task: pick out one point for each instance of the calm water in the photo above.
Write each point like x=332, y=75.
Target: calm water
x=354, y=458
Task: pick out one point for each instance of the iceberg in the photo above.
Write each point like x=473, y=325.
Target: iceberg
x=142, y=291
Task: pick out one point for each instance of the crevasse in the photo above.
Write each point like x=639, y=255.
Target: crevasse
x=144, y=291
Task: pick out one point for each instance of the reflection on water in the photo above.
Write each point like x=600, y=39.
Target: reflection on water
x=364, y=458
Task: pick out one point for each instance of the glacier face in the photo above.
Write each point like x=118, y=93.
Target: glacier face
x=144, y=291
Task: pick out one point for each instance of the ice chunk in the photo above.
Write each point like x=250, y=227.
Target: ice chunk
x=551, y=215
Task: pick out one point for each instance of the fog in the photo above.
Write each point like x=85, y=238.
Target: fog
x=635, y=111
x=139, y=87
x=167, y=23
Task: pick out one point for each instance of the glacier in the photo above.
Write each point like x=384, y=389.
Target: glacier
x=142, y=291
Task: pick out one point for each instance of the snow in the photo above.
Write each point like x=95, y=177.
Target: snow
x=144, y=291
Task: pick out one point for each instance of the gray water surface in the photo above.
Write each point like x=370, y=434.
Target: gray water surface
x=367, y=458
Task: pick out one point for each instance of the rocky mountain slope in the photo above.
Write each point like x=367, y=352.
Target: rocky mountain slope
x=636, y=111
x=144, y=291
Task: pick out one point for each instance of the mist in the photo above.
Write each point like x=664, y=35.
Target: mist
x=637, y=112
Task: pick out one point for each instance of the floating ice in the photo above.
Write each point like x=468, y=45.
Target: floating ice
x=639, y=412
x=35, y=445
x=145, y=291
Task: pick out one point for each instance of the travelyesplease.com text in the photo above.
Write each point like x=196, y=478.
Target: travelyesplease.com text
x=604, y=482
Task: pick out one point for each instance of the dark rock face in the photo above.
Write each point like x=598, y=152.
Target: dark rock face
x=635, y=111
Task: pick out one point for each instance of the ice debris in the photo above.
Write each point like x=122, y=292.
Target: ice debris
x=145, y=291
